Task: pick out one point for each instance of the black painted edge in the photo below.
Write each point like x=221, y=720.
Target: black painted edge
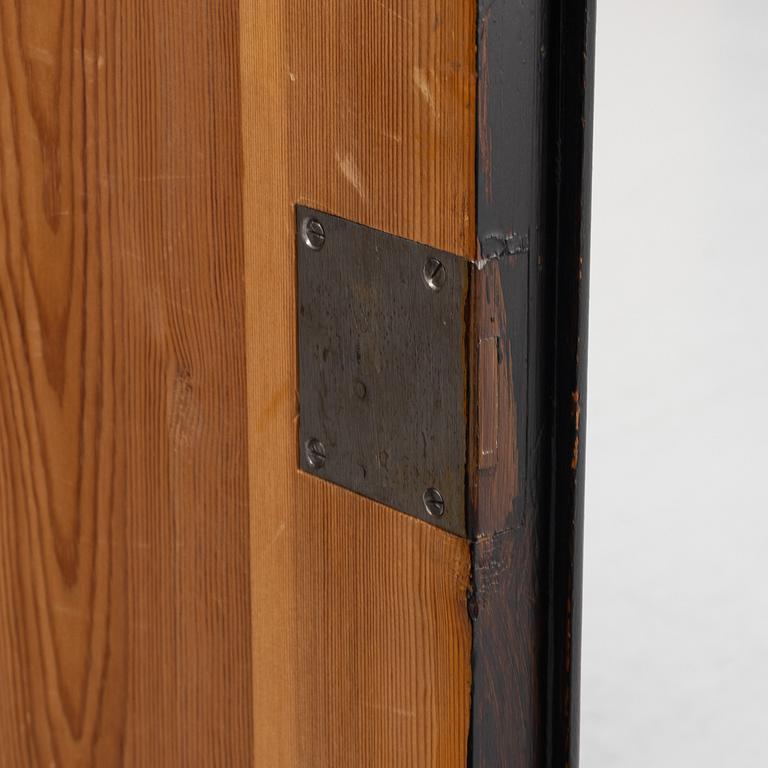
x=534, y=156
x=572, y=200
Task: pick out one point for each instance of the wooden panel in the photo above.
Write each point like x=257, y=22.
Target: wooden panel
x=361, y=634
x=127, y=442
x=381, y=100
x=124, y=588
x=382, y=635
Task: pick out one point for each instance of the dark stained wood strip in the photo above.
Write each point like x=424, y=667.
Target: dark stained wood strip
x=498, y=312
x=529, y=291
x=507, y=500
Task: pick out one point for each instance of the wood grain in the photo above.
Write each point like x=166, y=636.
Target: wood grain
x=381, y=105
x=172, y=590
x=382, y=634
x=360, y=628
x=124, y=589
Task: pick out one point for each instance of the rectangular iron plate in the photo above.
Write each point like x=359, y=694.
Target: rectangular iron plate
x=382, y=366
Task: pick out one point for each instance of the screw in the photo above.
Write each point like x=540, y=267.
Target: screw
x=315, y=453
x=433, y=502
x=434, y=273
x=360, y=390
x=314, y=234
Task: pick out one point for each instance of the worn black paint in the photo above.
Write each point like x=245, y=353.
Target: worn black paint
x=571, y=166
x=535, y=79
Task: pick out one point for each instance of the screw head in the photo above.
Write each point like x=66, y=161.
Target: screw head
x=313, y=234
x=315, y=452
x=360, y=390
x=434, y=273
x=433, y=502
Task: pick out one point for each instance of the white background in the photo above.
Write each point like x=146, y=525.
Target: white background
x=675, y=654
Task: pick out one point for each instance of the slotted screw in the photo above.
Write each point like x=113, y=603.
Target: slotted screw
x=433, y=502
x=434, y=273
x=314, y=234
x=315, y=453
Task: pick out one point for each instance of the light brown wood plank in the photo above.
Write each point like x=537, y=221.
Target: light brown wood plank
x=124, y=587
x=130, y=183
x=360, y=629
x=381, y=105
x=382, y=635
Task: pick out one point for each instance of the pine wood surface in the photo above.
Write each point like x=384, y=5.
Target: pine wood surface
x=172, y=590
x=124, y=548
x=361, y=634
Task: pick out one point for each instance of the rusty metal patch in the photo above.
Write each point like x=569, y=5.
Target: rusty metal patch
x=382, y=366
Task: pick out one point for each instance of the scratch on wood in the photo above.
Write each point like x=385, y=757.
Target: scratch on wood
x=351, y=173
x=41, y=55
x=393, y=12
x=422, y=83
x=273, y=539
x=399, y=711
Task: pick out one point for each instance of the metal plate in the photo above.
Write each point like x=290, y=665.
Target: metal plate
x=382, y=366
